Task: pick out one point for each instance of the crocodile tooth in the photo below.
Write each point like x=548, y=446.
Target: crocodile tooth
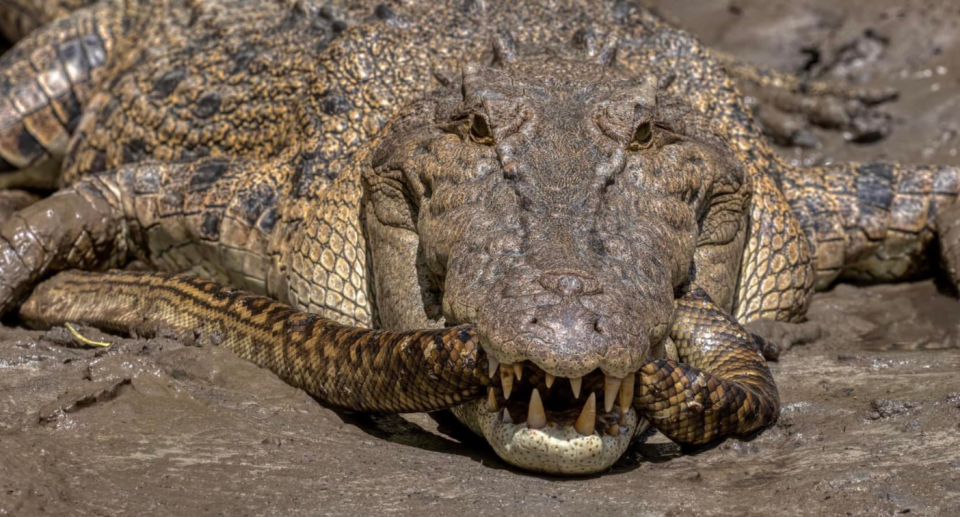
x=506, y=377
x=536, y=417
x=492, y=363
x=611, y=386
x=587, y=421
x=492, y=401
x=550, y=379
x=626, y=391
x=506, y=416
x=613, y=430
x=518, y=369
x=575, y=385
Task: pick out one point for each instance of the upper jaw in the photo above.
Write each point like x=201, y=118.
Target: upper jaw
x=527, y=383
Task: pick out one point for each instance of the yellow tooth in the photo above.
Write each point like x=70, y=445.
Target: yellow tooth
x=491, y=401
x=575, y=384
x=613, y=430
x=518, y=369
x=587, y=421
x=492, y=363
x=550, y=379
x=611, y=387
x=506, y=377
x=626, y=391
x=536, y=416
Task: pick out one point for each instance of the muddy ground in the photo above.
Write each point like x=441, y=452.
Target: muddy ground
x=871, y=419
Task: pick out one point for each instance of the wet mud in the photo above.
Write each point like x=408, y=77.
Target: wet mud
x=870, y=385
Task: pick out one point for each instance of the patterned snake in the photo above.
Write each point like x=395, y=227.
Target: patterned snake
x=720, y=386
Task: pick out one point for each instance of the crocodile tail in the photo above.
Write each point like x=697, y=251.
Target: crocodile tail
x=18, y=18
x=347, y=367
x=871, y=222
x=45, y=81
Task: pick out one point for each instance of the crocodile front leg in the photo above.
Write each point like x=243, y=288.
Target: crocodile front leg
x=787, y=105
x=82, y=227
x=213, y=217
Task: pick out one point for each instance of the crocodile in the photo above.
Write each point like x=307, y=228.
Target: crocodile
x=419, y=206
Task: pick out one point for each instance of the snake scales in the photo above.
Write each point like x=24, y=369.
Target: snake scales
x=721, y=386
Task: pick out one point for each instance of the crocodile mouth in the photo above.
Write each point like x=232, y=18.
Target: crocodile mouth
x=553, y=425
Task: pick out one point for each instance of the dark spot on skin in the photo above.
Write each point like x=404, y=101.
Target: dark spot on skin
x=206, y=175
x=327, y=12
x=208, y=105
x=134, y=151
x=473, y=6
x=72, y=107
x=268, y=220
x=438, y=340
x=339, y=26
x=109, y=108
x=71, y=55
x=622, y=9
x=195, y=153
x=210, y=227
x=311, y=169
x=463, y=335
x=28, y=146
x=147, y=181
x=258, y=200
x=875, y=185
x=99, y=163
x=241, y=60
x=334, y=104
x=945, y=181
x=168, y=83
x=421, y=150
x=93, y=46
x=171, y=203
x=384, y=12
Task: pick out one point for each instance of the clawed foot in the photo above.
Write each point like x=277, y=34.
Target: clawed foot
x=775, y=337
x=789, y=106
x=788, y=117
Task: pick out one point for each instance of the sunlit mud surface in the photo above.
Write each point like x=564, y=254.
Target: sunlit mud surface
x=871, y=419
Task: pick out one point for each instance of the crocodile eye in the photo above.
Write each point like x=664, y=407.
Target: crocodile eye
x=480, y=131
x=642, y=137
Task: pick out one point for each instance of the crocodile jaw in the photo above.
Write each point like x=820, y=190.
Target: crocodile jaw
x=555, y=449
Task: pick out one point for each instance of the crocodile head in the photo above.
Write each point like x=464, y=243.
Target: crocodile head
x=557, y=204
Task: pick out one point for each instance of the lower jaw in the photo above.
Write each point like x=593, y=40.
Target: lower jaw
x=555, y=449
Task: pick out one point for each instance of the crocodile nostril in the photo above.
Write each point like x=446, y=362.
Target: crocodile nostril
x=598, y=327
x=569, y=283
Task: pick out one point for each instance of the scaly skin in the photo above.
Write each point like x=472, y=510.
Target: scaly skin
x=348, y=367
x=48, y=78
x=722, y=387
x=724, y=383
x=579, y=182
x=21, y=17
